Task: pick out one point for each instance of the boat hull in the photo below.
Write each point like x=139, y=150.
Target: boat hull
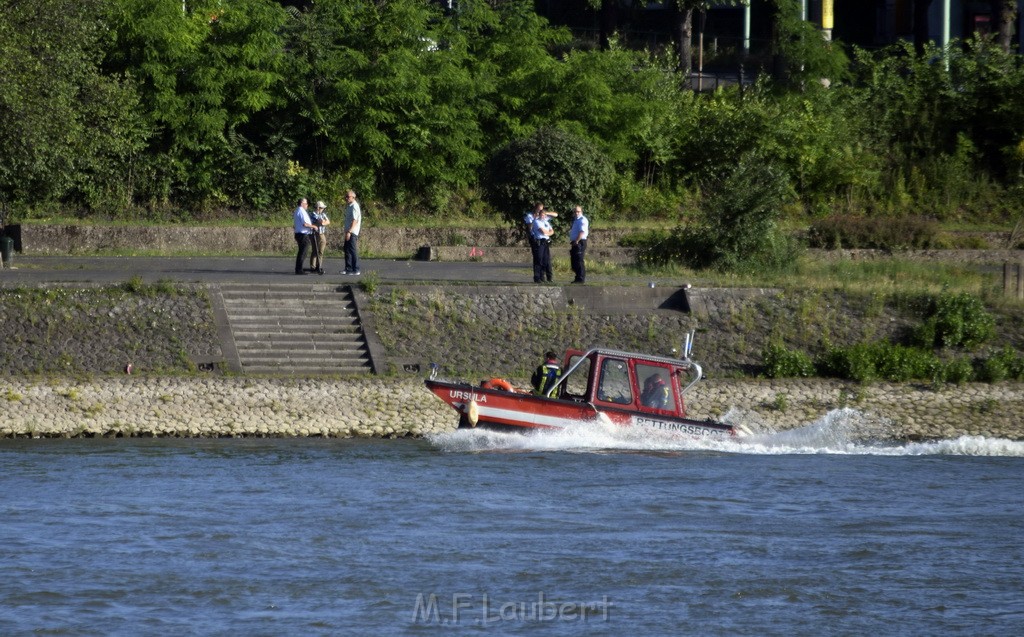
x=498, y=409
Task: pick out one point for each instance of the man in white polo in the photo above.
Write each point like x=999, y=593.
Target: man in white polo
x=578, y=234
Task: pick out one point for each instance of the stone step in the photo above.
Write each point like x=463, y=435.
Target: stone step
x=292, y=305
x=308, y=370
x=307, y=310
x=297, y=324
x=288, y=349
x=304, y=361
x=250, y=296
x=296, y=328
x=287, y=338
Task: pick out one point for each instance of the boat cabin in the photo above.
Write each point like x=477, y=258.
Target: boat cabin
x=613, y=379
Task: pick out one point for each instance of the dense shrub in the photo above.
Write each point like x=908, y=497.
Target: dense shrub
x=1006, y=364
x=552, y=166
x=884, y=233
x=854, y=363
x=738, y=227
x=958, y=370
x=955, y=320
x=900, y=363
x=874, y=361
x=781, y=362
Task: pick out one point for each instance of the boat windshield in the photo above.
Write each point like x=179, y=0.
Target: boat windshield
x=614, y=386
x=576, y=383
x=656, y=390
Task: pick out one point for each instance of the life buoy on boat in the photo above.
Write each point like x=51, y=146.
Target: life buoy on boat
x=472, y=413
x=498, y=383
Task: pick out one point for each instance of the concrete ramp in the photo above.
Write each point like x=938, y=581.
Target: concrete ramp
x=296, y=329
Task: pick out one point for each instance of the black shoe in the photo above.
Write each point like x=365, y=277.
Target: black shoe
x=320, y=272
x=303, y=272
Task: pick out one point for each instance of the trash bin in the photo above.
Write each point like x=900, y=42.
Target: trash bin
x=6, y=250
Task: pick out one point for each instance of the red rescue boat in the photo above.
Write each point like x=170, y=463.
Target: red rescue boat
x=599, y=385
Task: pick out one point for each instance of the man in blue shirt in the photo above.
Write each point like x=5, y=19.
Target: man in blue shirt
x=578, y=235
x=303, y=232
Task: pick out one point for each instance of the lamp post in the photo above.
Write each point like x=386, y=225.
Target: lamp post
x=945, y=32
x=827, y=19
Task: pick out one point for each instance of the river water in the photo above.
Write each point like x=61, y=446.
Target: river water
x=803, y=533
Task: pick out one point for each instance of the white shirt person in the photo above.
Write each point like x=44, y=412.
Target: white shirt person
x=578, y=235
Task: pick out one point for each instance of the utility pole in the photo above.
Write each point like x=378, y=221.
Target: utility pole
x=827, y=19
x=945, y=32
x=746, y=28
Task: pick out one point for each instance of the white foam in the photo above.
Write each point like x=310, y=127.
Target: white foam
x=840, y=432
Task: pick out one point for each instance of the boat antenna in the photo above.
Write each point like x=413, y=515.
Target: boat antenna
x=688, y=346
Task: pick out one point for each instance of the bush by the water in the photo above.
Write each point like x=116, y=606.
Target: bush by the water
x=781, y=362
x=1006, y=364
x=864, y=362
x=955, y=320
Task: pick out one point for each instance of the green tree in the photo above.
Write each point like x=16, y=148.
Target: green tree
x=627, y=104
x=405, y=102
x=67, y=130
x=552, y=166
x=1005, y=12
x=510, y=55
x=203, y=69
x=738, y=224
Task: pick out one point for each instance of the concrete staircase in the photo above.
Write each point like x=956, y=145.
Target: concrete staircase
x=295, y=329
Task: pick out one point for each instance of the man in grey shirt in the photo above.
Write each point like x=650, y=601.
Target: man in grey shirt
x=353, y=223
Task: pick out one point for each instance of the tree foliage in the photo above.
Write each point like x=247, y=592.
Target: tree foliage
x=68, y=131
x=170, y=110
x=738, y=226
x=551, y=166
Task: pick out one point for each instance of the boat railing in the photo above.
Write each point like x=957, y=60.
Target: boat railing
x=695, y=372
x=694, y=369
x=572, y=368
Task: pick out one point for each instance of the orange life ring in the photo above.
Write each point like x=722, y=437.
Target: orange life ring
x=497, y=383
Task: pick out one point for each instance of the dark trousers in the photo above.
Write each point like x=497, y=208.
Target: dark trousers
x=300, y=259
x=542, y=262
x=533, y=248
x=576, y=258
x=352, y=253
